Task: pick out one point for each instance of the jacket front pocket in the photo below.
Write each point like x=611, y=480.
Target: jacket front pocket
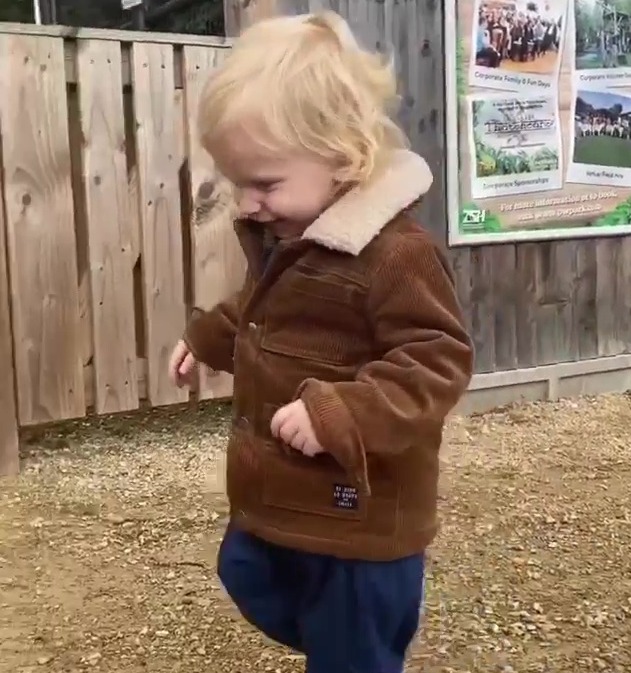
x=318, y=320
x=310, y=485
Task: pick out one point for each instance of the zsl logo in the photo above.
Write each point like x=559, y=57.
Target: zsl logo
x=473, y=216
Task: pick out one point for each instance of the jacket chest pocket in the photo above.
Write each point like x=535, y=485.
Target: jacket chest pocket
x=317, y=317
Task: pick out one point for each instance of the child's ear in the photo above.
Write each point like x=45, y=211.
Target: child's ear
x=340, y=187
x=340, y=176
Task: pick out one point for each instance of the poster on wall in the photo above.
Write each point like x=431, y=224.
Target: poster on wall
x=538, y=119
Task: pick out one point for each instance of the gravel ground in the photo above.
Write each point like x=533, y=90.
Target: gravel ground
x=107, y=545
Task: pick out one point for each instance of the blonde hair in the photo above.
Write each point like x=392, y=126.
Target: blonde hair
x=312, y=87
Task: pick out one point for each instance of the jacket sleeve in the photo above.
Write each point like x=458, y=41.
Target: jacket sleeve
x=425, y=365
x=210, y=335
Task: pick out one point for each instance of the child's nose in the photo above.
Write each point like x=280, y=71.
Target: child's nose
x=248, y=205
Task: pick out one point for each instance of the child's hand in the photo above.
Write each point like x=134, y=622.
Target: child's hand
x=182, y=366
x=292, y=424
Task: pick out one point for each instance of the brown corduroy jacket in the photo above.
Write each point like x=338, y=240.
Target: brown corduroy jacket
x=358, y=318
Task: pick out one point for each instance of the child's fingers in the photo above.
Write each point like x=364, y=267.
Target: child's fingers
x=187, y=366
x=299, y=441
x=178, y=355
x=289, y=431
x=278, y=419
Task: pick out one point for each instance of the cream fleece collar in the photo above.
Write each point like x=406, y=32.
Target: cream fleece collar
x=357, y=217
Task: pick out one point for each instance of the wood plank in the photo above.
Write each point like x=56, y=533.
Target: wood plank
x=526, y=318
x=460, y=260
x=482, y=310
x=612, y=287
x=584, y=299
x=623, y=308
x=80, y=225
x=74, y=33
x=9, y=442
x=132, y=174
x=217, y=259
x=158, y=187
x=71, y=47
x=556, y=336
x=109, y=231
x=427, y=117
x=40, y=229
x=504, y=265
x=89, y=378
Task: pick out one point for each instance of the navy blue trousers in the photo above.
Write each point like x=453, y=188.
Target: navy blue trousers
x=345, y=616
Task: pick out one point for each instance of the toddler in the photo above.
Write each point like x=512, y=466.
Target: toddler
x=346, y=344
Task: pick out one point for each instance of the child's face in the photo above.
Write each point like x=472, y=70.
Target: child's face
x=283, y=191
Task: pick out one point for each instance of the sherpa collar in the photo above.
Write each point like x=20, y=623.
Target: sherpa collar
x=357, y=217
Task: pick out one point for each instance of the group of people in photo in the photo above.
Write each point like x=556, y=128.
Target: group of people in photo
x=600, y=125
x=519, y=36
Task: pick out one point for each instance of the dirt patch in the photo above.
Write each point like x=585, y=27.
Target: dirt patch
x=107, y=545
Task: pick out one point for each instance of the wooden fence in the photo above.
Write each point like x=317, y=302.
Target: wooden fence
x=112, y=222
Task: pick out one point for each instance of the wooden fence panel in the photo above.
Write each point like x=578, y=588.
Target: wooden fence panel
x=526, y=318
x=584, y=301
x=555, y=281
x=612, y=295
x=503, y=262
x=217, y=260
x=157, y=139
x=9, y=445
x=109, y=236
x=40, y=232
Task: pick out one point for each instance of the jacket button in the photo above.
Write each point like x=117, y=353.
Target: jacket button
x=252, y=326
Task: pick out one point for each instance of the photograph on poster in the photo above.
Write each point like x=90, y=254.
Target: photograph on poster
x=601, y=152
x=517, y=44
x=515, y=144
x=602, y=42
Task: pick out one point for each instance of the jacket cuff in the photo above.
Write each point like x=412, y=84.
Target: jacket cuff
x=335, y=429
x=203, y=338
x=194, y=334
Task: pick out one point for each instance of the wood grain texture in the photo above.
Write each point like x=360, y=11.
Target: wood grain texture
x=157, y=138
x=460, y=260
x=124, y=36
x=80, y=227
x=526, y=317
x=613, y=304
x=40, y=229
x=218, y=263
x=556, y=337
x=482, y=310
x=9, y=442
x=426, y=125
x=503, y=262
x=108, y=226
x=584, y=301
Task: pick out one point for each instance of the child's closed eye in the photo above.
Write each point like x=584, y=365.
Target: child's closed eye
x=267, y=186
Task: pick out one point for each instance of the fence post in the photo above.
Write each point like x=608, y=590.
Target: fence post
x=9, y=443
